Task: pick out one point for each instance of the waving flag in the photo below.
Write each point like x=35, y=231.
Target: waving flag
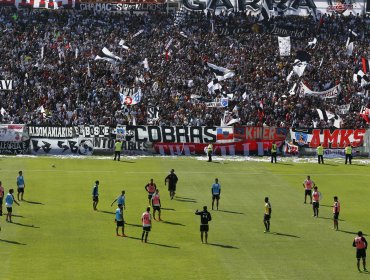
x=106, y=55
x=224, y=133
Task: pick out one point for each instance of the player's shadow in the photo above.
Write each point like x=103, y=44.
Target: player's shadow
x=25, y=225
x=152, y=243
x=33, y=202
x=185, y=199
x=285, y=163
x=133, y=225
x=223, y=246
x=18, y=216
x=173, y=223
x=326, y=218
x=127, y=161
x=231, y=212
x=351, y=232
x=168, y=209
x=285, y=234
x=325, y=205
x=12, y=242
x=106, y=212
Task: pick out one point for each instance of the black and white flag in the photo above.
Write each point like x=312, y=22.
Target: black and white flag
x=344, y=109
x=312, y=44
x=230, y=118
x=265, y=12
x=326, y=116
x=298, y=69
x=107, y=55
x=180, y=16
x=221, y=73
x=122, y=45
x=214, y=87
x=284, y=46
x=152, y=114
x=361, y=78
x=349, y=44
x=299, y=65
x=303, y=56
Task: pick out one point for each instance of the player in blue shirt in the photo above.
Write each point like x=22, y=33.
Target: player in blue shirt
x=120, y=222
x=21, y=185
x=9, y=200
x=216, y=192
x=121, y=200
x=95, y=195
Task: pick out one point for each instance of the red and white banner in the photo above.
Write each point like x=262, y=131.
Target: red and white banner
x=12, y=133
x=245, y=148
x=365, y=113
x=329, y=138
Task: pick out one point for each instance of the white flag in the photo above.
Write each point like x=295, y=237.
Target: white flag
x=146, y=64
x=2, y=111
x=284, y=46
x=138, y=33
x=122, y=45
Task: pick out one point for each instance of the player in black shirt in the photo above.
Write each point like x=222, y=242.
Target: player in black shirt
x=205, y=217
x=172, y=181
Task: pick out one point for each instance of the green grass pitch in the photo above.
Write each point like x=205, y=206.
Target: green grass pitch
x=59, y=236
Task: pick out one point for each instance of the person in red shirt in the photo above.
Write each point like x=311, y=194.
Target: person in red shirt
x=150, y=188
x=361, y=245
x=336, y=210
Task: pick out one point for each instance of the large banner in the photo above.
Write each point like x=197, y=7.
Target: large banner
x=118, y=6
x=245, y=148
x=287, y=31
x=329, y=138
x=62, y=132
x=330, y=93
x=14, y=148
x=52, y=131
x=168, y=140
x=74, y=146
x=12, y=132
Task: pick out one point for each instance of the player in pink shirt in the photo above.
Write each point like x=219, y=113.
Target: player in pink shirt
x=156, y=203
x=308, y=184
x=146, y=219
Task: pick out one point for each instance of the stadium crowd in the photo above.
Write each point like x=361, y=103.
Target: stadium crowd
x=72, y=87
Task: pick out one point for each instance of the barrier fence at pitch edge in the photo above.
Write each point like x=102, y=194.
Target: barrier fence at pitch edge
x=181, y=140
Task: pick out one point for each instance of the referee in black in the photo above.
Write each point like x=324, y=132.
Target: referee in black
x=205, y=217
x=171, y=179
